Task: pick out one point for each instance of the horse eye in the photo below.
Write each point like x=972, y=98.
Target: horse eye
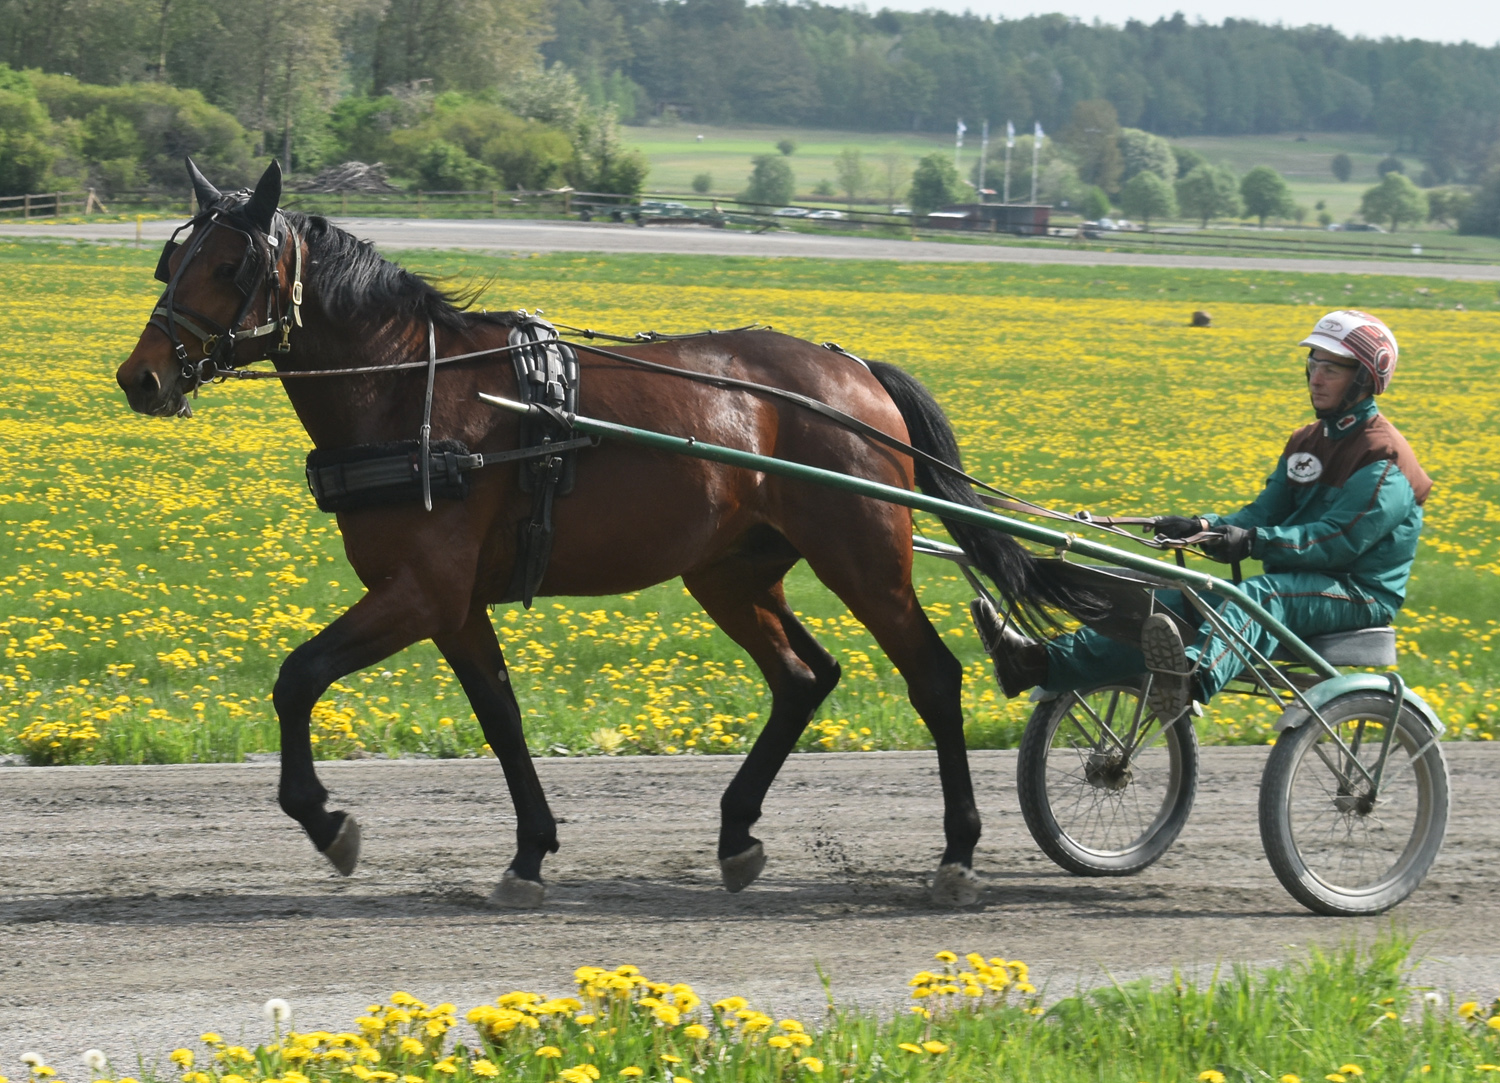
x=226, y=270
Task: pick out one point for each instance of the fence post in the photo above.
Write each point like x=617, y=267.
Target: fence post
x=494, y=203
x=419, y=203
x=26, y=207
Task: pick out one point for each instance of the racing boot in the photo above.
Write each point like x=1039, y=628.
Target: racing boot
x=1020, y=663
x=1169, y=667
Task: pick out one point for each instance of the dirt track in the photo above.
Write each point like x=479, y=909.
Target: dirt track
x=140, y=906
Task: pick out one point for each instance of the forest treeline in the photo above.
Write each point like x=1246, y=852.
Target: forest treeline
x=477, y=93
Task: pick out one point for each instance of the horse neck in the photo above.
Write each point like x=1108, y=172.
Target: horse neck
x=341, y=411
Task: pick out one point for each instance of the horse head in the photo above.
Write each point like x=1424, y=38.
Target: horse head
x=234, y=280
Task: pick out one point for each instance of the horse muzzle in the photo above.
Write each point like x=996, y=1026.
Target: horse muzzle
x=152, y=391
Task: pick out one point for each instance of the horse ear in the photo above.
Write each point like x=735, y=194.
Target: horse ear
x=263, y=203
x=207, y=194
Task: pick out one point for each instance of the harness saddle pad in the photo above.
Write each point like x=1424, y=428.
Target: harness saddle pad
x=369, y=475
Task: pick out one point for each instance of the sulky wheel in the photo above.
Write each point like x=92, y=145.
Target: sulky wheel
x=1104, y=788
x=1337, y=849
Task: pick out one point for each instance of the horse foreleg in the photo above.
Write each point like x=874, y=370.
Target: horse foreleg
x=800, y=673
x=476, y=658
x=381, y=623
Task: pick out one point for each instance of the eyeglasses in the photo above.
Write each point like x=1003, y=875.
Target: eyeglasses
x=1316, y=366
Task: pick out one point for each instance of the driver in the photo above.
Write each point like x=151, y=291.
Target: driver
x=1335, y=528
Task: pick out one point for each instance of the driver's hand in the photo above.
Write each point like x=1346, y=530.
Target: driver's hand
x=1175, y=526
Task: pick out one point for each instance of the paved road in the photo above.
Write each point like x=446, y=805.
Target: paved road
x=560, y=236
x=142, y=905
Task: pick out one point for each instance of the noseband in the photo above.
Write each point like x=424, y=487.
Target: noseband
x=257, y=268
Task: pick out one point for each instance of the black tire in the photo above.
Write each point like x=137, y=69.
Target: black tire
x=1091, y=808
x=1334, y=852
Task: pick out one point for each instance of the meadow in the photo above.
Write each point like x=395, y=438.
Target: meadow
x=159, y=571
x=1348, y=1016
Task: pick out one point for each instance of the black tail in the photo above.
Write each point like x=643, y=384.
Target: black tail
x=1021, y=579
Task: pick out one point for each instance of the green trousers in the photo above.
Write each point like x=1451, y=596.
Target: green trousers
x=1309, y=603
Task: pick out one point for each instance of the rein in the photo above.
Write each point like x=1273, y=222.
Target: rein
x=209, y=369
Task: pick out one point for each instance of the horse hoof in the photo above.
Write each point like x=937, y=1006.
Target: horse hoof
x=343, y=851
x=516, y=893
x=955, y=885
x=743, y=869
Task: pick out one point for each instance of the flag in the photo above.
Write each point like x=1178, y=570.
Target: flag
x=1010, y=133
x=1039, y=133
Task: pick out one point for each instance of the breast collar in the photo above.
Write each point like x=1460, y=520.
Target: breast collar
x=260, y=268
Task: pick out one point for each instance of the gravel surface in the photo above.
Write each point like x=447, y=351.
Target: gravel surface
x=563, y=236
x=143, y=905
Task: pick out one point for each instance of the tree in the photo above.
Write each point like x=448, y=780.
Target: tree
x=1390, y=164
x=893, y=175
x=771, y=180
x=934, y=184
x=26, y=155
x=1093, y=141
x=1447, y=205
x=702, y=182
x=787, y=146
x=1095, y=204
x=1187, y=160
x=1209, y=192
x=1342, y=166
x=1482, y=215
x=1143, y=151
x=849, y=169
x=1146, y=196
x=1395, y=199
x=1265, y=194
x=468, y=45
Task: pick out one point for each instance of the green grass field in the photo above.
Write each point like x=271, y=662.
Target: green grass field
x=1352, y=1015
x=158, y=571
x=676, y=156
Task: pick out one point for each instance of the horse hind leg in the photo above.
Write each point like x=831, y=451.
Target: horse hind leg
x=868, y=565
x=745, y=597
x=477, y=660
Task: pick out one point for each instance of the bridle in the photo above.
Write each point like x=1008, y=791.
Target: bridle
x=260, y=266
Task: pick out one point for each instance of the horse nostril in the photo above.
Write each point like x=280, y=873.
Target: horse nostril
x=149, y=381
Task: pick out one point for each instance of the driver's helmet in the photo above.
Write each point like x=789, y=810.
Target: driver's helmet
x=1360, y=337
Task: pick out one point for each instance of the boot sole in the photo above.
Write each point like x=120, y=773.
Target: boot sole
x=1168, y=665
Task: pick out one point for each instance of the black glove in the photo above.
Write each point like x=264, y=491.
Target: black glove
x=1232, y=546
x=1175, y=526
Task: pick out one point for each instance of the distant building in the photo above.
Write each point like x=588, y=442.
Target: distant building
x=1026, y=219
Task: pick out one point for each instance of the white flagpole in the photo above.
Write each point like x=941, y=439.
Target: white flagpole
x=958, y=140
x=1010, y=141
x=1036, y=154
x=984, y=153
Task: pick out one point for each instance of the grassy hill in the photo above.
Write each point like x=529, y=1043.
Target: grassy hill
x=677, y=155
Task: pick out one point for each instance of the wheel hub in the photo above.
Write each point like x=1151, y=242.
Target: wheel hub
x=1107, y=771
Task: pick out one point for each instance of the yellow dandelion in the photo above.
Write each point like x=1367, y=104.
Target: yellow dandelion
x=910, y=1047
x=632, y=1072
x=935, y=1047
x=183, y=1057
x=812, y=1064
x=695, y=1031
x=1210, y=1075
x=484, y=1067
x=551, y=1052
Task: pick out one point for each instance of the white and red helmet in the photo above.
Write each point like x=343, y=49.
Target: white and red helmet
x=1360, y=337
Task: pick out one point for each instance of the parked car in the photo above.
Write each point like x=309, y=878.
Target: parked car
x=1362, y=227
x=791, y=212
x=826, y=215
x=900, y=210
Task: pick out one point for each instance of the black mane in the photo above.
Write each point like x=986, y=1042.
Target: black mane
x=359, y=288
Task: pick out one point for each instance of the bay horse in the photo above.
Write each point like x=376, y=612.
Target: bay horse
x=250, y=272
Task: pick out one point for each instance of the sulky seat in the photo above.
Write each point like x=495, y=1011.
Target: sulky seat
x=1361, y=647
